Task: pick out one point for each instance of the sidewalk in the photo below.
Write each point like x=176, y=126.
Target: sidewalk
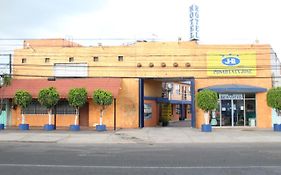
x=156, y=135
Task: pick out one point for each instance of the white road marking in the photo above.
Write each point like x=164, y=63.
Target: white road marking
x=140, y=167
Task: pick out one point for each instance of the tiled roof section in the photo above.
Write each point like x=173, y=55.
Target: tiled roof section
x=33, y=86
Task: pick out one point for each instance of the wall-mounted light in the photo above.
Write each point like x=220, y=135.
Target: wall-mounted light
x=151, y=65
x=175, y=64
x=187, y=64
x=139, y=65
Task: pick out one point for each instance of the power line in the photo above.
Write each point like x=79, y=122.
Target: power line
x=182, y=77
x=92, y=54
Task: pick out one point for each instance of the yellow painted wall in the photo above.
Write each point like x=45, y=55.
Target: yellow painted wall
x=126, y=107
x=145, y=53
x=262, y=110
x=141, y=52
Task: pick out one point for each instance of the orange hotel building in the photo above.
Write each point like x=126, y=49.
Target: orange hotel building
x=147, y=79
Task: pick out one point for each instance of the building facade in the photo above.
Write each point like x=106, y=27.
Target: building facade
x=153, y=74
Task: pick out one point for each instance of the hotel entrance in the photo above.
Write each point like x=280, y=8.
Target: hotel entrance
x=235, y=110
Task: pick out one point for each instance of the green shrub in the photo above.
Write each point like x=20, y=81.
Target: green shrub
x=207, y=100
x=273, y=98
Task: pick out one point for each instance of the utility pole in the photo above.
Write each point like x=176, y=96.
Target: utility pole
x=8, y=64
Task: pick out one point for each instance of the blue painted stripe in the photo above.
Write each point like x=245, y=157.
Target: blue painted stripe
x=141, y=103
x=165, y=100
x=193, y=114
x=151, y=98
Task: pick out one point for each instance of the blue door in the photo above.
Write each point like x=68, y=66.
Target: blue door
x=3, y=115
x=3, y=118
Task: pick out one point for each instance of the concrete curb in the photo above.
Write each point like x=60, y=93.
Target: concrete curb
x=143, y=136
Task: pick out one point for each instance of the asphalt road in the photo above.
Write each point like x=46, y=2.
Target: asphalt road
x=197, y=159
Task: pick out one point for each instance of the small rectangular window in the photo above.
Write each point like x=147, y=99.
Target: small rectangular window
x=178, y=109
x=120, y=58
x=47, y=60
x=23, y=60
x=71, y=59
x=95, y=59
x=178, y=90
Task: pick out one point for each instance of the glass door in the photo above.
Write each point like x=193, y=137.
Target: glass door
x=226, y=113
x=238, y=113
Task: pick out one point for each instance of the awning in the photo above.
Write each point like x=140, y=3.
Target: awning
x=33, y=86
x=235, y=88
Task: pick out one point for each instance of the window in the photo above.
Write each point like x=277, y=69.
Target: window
x=71, y=59
x=120, y=58
x=47, y=60
x=147, y=111
x=250, y=96
x=178, y=91
x=36, y=108
x=64, y=108
x=23, y=60
x=184, y=93
x=70, y=69
x=178, y=109
x=95, y=59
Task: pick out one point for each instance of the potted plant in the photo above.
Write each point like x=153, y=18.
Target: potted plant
x=273, y=99
x=77, y=98
x=49, y=97
x=102, y=98
x=207, y=100
x=166, y=114
x=23, y=99
x=165, y=120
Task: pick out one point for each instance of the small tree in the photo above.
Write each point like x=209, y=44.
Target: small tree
x=22, y=99
x=77, y=98
x=273, y=99
x=102, y=98
x=49, y=97
x=207, y=100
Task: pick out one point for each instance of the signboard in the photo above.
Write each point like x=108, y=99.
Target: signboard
x=231, y=64
x=231, y=96
x=147, y=111
x=71, y=70
x=194, y=22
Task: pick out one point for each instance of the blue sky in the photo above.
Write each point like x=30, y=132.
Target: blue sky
x=221, y=21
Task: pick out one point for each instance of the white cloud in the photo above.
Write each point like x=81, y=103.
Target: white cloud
x=221, y=21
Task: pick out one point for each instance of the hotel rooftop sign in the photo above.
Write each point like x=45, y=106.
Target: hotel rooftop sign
x=194, y=22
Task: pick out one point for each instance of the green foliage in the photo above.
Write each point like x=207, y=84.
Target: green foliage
x=22, y=98
x=102, y=97
x=166, y=113
x=6, y=80
x=48, y=97
x=77, y=97
x=273, y=98
x=207, y=100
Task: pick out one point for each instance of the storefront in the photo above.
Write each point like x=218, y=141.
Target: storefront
x=236, y=105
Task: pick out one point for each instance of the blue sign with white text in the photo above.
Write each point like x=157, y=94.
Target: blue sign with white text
x=230, y=61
